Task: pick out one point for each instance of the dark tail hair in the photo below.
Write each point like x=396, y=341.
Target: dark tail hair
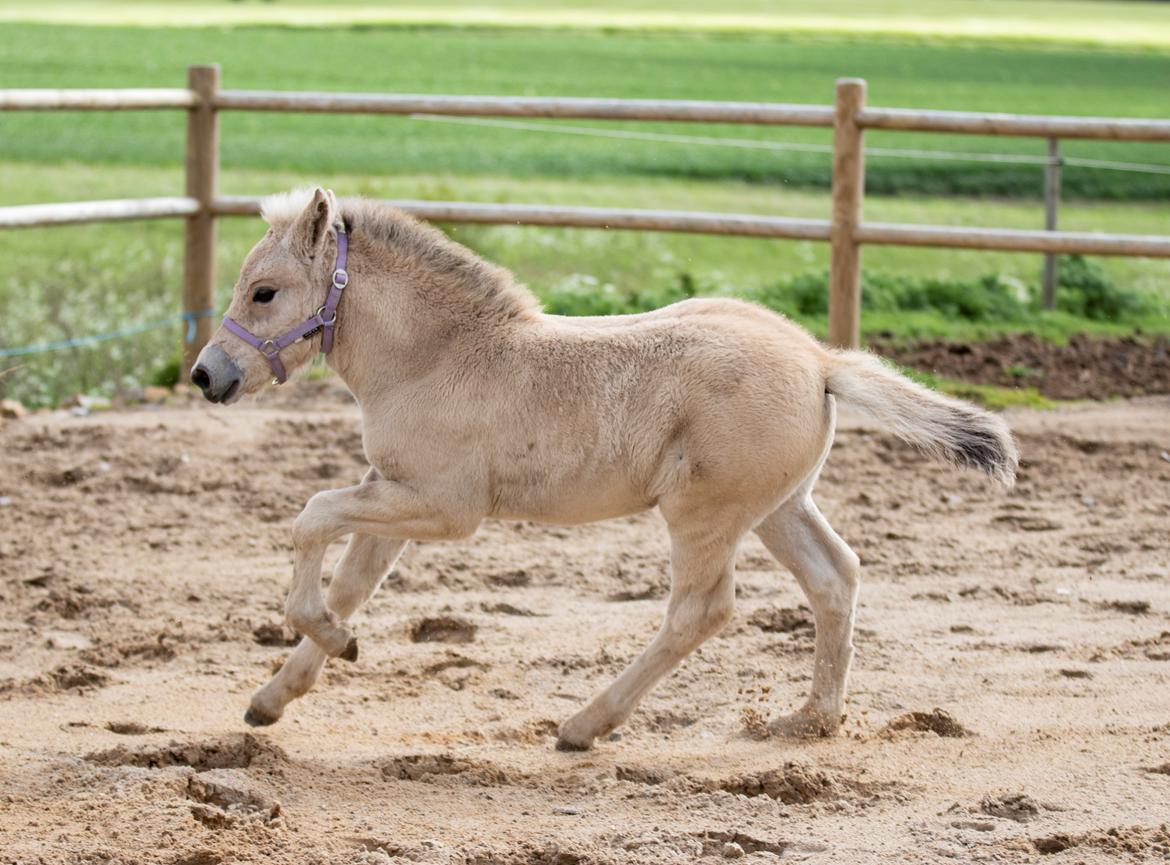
x=947, y=429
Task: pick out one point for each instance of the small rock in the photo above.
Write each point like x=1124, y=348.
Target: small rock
x=953, y=499
x=10, y=409
x=5, y=501
x=1165, y=455
x=731, y=850
x=1088, y=501
x=565, y=811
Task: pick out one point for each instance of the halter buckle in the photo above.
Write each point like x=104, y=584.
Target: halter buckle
x=340, y=279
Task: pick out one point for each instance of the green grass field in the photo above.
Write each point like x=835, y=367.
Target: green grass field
x=977, y=76
x=58, y=283
x=1113, y=23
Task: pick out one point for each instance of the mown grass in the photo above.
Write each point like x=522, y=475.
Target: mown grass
x=975, y=76
x=58, y=283
x=1097, y=23
x=990, y=395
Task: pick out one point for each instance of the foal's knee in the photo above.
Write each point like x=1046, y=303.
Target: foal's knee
x=310, y=528
x=704, y=615
x=300, y=618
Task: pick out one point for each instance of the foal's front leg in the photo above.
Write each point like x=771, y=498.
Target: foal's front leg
x=383, y=508
x=357, y=575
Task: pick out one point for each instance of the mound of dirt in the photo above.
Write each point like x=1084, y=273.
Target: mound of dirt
x=237, y=751
x=1132, y=841
x=935, y=721
x=792, y=784
x=1084, y=368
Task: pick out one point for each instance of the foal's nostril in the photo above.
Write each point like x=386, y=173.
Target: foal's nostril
x=200, y=378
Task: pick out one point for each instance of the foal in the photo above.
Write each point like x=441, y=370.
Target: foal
x=477, y=405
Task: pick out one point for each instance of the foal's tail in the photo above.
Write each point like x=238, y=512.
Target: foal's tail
x=939, y=426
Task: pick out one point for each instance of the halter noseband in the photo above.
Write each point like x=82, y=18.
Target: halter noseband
x=323, y=321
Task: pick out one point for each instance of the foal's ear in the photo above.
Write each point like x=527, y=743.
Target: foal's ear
x=312, y=226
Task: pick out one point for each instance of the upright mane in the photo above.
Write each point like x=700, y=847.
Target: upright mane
x=418, y=246
x=421, y=246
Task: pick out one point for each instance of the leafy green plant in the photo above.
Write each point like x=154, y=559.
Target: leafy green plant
x=1085, y=290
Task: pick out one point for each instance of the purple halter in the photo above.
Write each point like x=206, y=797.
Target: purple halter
x=323, y=321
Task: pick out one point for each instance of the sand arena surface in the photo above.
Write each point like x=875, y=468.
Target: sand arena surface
x=144, y=558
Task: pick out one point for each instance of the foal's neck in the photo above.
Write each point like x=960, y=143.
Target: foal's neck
x=417, y=301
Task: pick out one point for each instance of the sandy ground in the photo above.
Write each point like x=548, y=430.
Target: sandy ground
x=144, y=556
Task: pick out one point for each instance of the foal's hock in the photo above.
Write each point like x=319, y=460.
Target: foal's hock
x=477, y=405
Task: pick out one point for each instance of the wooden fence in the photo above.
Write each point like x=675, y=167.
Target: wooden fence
x=845, y=230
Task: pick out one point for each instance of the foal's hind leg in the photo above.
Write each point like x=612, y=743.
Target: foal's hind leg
x=702, y=599
x=360, y=570
x=798, y=534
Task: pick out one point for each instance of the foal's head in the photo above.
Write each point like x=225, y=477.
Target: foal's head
x=283, y=281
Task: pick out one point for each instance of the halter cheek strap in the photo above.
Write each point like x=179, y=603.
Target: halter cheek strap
x=323, y=321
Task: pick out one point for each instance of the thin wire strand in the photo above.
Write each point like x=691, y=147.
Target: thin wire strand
x=94, y=339
x=752, y=144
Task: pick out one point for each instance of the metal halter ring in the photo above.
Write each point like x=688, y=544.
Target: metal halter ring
x=321, y=311
x=268, y=342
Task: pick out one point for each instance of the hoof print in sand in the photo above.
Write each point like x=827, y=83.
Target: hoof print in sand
x=224, y=798
x=435, y=768
x=276, y=635
x=78, y=678
x=443, y=629
x=1011, y=806
x=783, y=620
x=132, y=728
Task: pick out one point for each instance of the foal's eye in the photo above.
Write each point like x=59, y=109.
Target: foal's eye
x=263, y=295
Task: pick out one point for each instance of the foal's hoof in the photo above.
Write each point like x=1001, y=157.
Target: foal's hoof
x=350, y=652
x=254, y=718
x=572, y=747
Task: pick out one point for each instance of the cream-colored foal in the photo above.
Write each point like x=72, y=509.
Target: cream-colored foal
x=476, y=405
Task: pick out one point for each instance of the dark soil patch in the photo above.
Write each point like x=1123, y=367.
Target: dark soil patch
x=1084, y=368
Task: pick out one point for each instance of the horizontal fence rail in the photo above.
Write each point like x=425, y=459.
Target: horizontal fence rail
x=117, y=210
x=96, y=100
x=1032, y=126
x=1014, y=240
x=846, y=231
x=756, y=113
x=741, y=225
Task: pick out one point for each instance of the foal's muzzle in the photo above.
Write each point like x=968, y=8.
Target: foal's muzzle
x=216, y=374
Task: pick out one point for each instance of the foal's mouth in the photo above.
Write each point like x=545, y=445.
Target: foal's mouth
x=226, y=396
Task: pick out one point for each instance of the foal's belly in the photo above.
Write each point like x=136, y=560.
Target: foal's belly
x=572, y=502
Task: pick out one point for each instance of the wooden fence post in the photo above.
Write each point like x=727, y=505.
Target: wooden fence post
x=1051, y=202
x=848, y=194
x=199, y=248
